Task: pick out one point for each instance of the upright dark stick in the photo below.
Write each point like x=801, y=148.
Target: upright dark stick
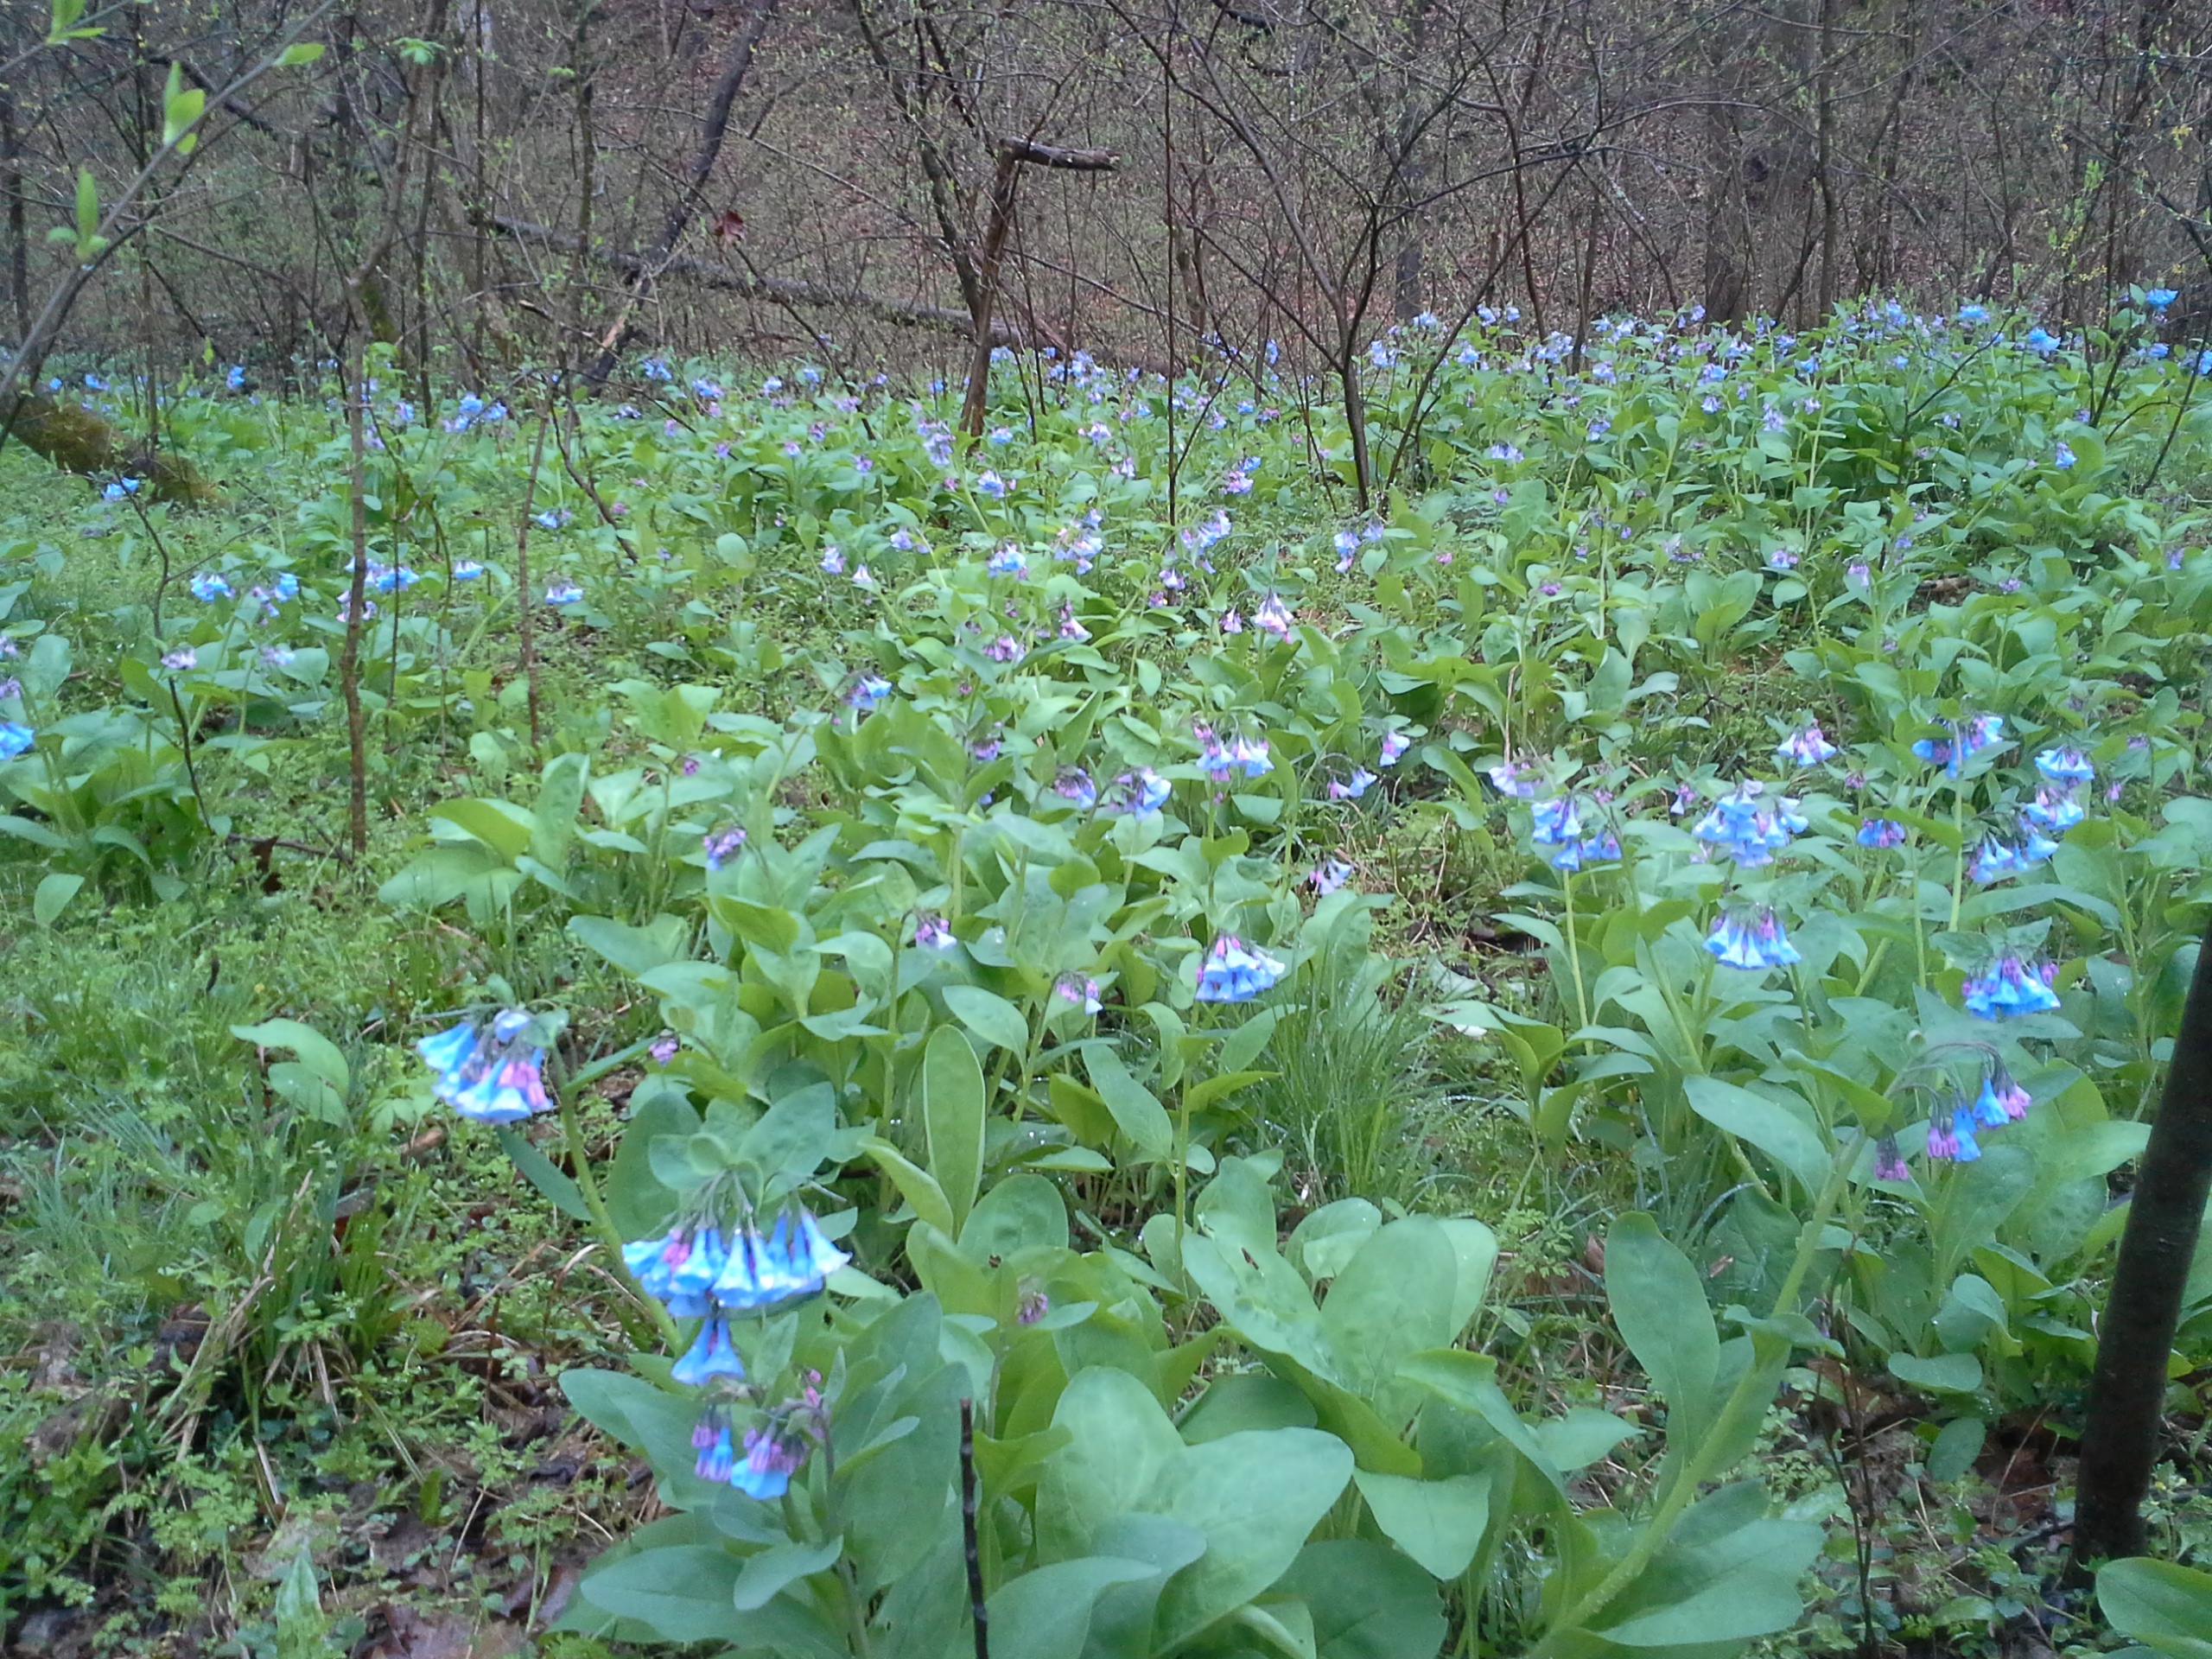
x=2121, y=1439
x=968, y=1529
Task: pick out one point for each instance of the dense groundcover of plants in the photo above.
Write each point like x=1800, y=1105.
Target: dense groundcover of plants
x=1547, y=1067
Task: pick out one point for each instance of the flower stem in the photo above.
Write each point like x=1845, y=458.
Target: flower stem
x=587, y=1184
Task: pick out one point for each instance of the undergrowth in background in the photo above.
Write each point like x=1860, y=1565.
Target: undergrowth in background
x=1642, y=962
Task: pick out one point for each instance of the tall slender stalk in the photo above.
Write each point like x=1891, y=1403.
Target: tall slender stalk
x=357, y=591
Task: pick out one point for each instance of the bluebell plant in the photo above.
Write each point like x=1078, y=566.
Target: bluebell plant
x=488, y=1070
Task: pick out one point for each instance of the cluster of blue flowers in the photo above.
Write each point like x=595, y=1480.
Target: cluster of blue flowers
x=1751, y=939
x=1234, y=972
x=774, y=1448
x=1558, y=825
x=487, y=1070
x=706, y=1267
x=1138, y=793
x=2009, y=987
x=1221, y=761
x=1749, y=829
x=1969, y=737
x=2001, y=1100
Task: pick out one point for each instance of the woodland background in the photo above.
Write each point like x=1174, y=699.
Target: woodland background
x=510, y=179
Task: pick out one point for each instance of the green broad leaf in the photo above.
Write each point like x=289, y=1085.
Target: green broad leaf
x=1120, y=1444
x=1242, y=1046
x=952, y=1113
x=636, y=950
x=1366, y=1601
x=308, y=1092
x=1393, y=1298
x=1256, y=1497
x=638, y=1202
x=1474, y=1249
x=1658, y=1303
x=298, y=53
x=560, y=795
x=1245, y=1400
x=1252, y=1496
x=299, y=1601
x=1957, y=1445
x=1081, y=1110
x=1199, y=1096
x=682, y=1592
x=1945, y=1374
x=764, y=1574
x=539, y=1170
x=505, y=829
x=793, y=1135
x=1136, y=1112
x=771, y=928
x=1773, y=1129
x=180, y=107
x=1711, y=1586
x=1282, y=1622
x=1022, y=1212
x=1582, y=1436
x=631, y=1410
x=1469, y=1381
x=1046, y=1614
x=52, y=897
x=317, y=1052
x=28, y=829
x=916, y=1184
x=2162, y=1604
x=1439, y=1523
x=990, y=1016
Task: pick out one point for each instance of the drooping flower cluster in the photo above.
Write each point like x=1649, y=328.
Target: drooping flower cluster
x=2009, y=987
x=1079, y=992
x=1221, y=761
x=775, y=1448
x=2057, y=807
x=1969, y=737
x=487, y=1070
x=1881, y=834
x=1806, y=746
x=1995, y=858
x=1748, y=829
x=1329, y=875
x=1234, y=972
x=720, y=845
x=1351, y=788
x=1140, y=792
x=1073, y=783
x=1751, y=939
x=2001, y=1100
x=1557, y=824
x=708, y=1267
x=1515, y=781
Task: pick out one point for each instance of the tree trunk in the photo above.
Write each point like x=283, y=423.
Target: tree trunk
x=2126, y=1416
x=11, y=185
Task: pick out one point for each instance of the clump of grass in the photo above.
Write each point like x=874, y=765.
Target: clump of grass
x=1350, y=1091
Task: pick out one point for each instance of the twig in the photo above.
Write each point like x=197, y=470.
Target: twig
x=980, y=1613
